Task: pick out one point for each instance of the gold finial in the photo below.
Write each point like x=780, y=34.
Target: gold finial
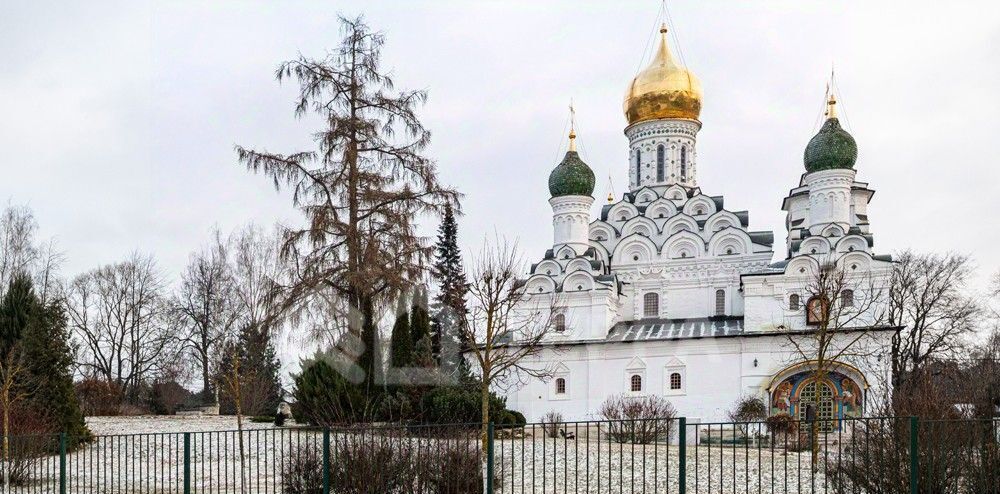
x=572, y=127
x=831, y=100
x=611, y=189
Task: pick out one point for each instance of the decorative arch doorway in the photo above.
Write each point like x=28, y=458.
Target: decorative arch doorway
x=837, y=395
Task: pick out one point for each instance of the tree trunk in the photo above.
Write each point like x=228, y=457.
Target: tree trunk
x=484, y=391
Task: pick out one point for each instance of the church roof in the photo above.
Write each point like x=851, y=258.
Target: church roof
x=675, y=329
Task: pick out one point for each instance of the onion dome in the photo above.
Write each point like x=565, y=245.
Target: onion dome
x=571, y=177
x=832, y=147
x=663, y=89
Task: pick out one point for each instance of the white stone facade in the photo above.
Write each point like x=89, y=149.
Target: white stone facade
x=669, y=292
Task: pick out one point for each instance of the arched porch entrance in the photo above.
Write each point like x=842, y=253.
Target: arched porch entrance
x=836, y=395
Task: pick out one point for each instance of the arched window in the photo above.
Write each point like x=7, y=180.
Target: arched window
x=847, y=298
x=559, y=321
x=635, y=383
x=638, y=167
x=675, y=380
x=659, y=163
x=793, y=302
x=560, y=386
x=651, y=305
x=720, y=302
x=684, y=163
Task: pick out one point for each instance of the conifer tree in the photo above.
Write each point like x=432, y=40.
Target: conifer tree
x=401, y=350
x=450, y=307
x=420, y=327
x=252, y=350
x=40, y=330
x=15, y=311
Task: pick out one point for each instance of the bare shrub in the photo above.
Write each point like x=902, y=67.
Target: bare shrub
x=780, y=423
x=303, y=474
x=32, y=439
x=638, y=419
x=747, y=409
x=387, y=462
x=371, y=463
x=952, y=451
x=551, y=423
x=99, y=397
x=456, y=467
x=744, y=410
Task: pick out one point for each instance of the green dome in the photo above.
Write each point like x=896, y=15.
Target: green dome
x=572, y=177
x=831, y=148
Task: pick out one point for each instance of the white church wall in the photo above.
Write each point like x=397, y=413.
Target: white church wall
x=716, y=371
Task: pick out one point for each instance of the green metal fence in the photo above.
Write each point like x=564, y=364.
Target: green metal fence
x=675, y=455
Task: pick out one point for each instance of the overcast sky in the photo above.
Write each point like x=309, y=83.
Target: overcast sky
x=118, y=119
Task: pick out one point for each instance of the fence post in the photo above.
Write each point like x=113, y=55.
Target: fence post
x=326, y=461
x=489, y=458
x=187, y=463
x=682, y=455
x=914, y=458
x=62, y=463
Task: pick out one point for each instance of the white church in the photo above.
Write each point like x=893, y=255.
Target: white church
x=669, y=292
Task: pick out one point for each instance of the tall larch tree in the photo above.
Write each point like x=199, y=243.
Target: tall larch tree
x=360, y=190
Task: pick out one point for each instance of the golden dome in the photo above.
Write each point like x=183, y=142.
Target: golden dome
x=663, y=89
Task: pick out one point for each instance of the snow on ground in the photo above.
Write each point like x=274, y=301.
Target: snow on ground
x=146, y=424
x=145, y=455
x=602, y=466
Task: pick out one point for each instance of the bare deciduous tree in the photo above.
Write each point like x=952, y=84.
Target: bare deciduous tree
x=119, y=317
x=507, y=324
x=927, y=299
x=257, y=272
x=232, y=380
x=20, y=252
x=842, y=310
x=205, y=307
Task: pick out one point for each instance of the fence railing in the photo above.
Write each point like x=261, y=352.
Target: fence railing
x=675, y=455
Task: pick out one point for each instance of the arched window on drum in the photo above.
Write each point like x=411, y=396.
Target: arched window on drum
x=684, y=163
x=660, y=172
x=638, y=166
